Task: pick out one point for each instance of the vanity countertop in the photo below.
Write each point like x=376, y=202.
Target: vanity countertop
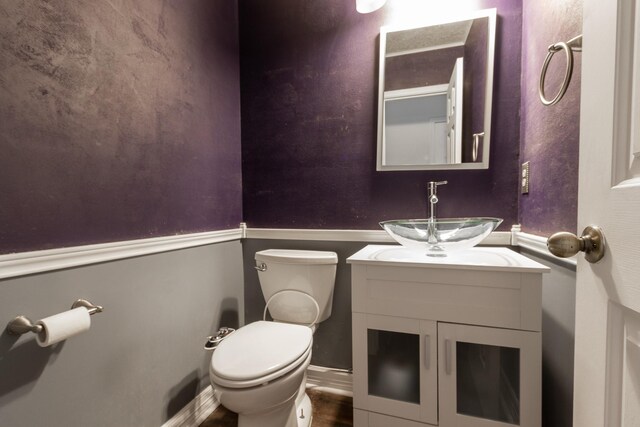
x=478, y=258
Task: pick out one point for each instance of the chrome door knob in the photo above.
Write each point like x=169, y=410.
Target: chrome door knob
x=565, y=245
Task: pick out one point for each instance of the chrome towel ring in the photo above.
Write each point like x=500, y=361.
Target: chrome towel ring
x=573, y=45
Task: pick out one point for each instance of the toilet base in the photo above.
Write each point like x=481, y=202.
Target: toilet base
x=272, y=404
x=305, y=408
x=287, y=415
x=281, y=416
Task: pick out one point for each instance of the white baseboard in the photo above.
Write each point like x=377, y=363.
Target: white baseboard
x=335, y=381
x=196, y=411
x=23, y=263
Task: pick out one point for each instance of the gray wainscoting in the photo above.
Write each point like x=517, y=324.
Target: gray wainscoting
x=558, y=335
x=143, y=358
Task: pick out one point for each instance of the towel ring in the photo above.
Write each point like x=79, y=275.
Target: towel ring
x=575, y=44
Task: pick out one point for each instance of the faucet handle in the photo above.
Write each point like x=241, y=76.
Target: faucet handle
x=434, y=184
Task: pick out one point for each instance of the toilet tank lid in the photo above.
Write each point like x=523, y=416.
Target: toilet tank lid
x=293, y=256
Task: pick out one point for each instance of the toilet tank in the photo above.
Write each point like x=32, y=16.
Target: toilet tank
x=310, y=272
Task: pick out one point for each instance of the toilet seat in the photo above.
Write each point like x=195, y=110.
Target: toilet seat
x=260, y=352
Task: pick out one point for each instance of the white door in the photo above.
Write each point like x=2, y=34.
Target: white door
x=607, y=358
x=454, y=113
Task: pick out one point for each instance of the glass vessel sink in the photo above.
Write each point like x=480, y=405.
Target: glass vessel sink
x=442, y=235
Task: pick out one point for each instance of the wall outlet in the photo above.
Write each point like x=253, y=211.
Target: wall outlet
x=524, y=178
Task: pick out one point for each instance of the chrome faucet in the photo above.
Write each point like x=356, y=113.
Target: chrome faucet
x=433, y=198
x=432, y=230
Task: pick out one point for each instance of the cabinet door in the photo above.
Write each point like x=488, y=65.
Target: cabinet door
x=489, y=377
x=395, y=366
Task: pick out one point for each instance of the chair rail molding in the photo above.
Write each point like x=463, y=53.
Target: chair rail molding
x=23, y=263
x=497, y=238
x=537, y=244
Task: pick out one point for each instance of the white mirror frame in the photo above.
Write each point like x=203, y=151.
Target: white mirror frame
x=486, y=141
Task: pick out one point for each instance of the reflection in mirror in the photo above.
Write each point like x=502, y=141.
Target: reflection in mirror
x=435, y=94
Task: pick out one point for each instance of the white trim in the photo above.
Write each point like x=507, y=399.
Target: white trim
x=337, y=381
x=378, y=236
x=498, y=238
x=537, y=244
x=20, y=264
x=196, y=411
x=428, y=49
x=413, y=92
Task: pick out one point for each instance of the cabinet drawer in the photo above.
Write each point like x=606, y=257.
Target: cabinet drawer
x=508, y=300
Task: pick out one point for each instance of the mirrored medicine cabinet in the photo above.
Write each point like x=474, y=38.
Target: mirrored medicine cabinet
x=435, y=94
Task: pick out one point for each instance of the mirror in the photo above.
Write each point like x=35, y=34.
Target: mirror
x=435, y=94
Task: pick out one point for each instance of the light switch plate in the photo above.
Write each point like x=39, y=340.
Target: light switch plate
x=524, y=178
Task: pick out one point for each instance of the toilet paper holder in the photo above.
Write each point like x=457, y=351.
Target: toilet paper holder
x=22, y=324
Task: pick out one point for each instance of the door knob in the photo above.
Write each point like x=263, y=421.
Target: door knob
x=565, y=245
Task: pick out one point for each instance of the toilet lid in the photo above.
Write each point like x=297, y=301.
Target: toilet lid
x=259, y=349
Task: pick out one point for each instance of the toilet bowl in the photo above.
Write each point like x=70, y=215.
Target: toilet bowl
x=259, y=371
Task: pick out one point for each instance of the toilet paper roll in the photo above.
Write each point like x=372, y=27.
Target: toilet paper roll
x=62, y=326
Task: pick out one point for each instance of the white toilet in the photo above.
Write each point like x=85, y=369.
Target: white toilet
x=259, y=371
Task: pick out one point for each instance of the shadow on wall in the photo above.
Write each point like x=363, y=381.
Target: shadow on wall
x=22, y=365
x=557, y=374
x=197, y=380
x=182, y=393
x=229, y=315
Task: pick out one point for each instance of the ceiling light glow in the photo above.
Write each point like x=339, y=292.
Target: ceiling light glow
x=366, y=6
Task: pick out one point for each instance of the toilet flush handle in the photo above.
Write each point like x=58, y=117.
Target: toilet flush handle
x=261, y=267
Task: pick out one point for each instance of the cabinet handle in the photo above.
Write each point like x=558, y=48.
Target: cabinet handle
x=427, y=351
x=447, y=357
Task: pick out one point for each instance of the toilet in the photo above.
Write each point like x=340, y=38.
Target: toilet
x=260, y=370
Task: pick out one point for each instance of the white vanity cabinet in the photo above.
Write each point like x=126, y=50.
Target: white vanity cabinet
x=451, y=341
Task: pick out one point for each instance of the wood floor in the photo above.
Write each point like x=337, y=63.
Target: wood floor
x=329, y=410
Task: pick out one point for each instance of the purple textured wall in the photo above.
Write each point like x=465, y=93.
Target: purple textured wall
x=550, y=135
x=420, y=69
x=118, y=121
x=309, y=85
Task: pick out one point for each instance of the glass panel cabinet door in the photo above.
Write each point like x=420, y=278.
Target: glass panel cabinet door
x=395, y=370
x=489, y=376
